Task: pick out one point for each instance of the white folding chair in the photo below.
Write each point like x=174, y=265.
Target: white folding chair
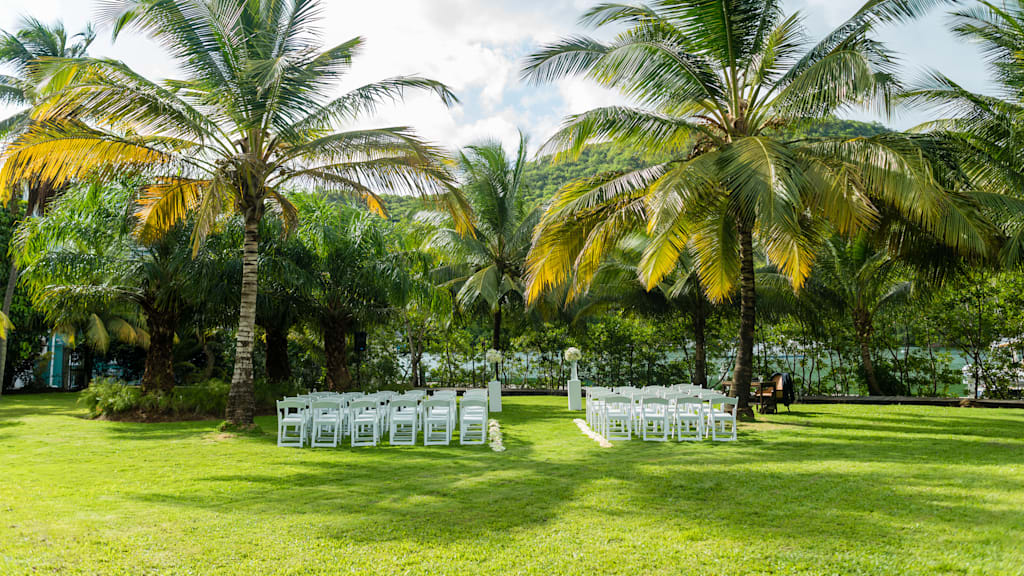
x=291, y=422
x=656, y=390
x=655, y=419
x=475, y=394
x=723, y=411
x=403, y=421
x=327, y=421
x=437, y=422
x=617, y=417
x=595, y=394
x=473, y=421
x=364, y=422
x=688, y=418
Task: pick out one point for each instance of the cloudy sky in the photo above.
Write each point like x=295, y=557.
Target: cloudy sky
x=477, y=46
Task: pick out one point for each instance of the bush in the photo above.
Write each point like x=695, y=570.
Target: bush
x=268, y=393
x=111, y=397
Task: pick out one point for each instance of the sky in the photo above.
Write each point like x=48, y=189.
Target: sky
x=477, y=48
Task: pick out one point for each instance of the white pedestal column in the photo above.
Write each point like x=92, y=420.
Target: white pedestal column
x=575, y=402
x=494, y=395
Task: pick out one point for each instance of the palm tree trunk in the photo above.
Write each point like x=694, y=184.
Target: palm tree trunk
x=159, y=374
x=339, y=379
x=863, y=328
x=279, y=368
x=12, y=283
x=241, y=398
x=496, y=338
x=415, y=353
x=700, y=360
x=744, y=370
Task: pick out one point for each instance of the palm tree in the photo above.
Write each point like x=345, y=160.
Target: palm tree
x=855, y=279
x=352, y=272
x=250, y=118
x=88, y=271
x=986, y=129
x=22, y=50
x=488, y=264
x=616, y=281
x=716, y=86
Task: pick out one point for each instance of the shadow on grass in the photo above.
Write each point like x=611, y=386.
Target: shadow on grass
x=762, y=484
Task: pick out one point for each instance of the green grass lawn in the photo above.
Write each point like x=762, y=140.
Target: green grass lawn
x=822, y=490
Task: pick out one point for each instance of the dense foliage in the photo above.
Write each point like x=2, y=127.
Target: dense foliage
x=187, y=236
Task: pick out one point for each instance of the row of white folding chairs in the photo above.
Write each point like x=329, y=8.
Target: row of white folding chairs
x=681, y=415
x=326, y=418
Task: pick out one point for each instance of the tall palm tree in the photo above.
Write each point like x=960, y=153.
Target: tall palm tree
x=22, y=50
x=987, y=130
x=855, y=279
x=716, y=85
x=250, y=118
x=488, y=264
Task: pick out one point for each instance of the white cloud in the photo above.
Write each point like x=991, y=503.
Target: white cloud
x=477, y=47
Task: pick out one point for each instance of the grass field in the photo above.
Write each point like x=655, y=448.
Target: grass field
x=823, y=490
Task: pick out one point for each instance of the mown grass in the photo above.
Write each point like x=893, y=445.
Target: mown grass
x=822, y=490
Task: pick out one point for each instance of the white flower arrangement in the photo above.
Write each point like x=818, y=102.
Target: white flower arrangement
x=494, y=436
x=493, y=356
x=573, y=354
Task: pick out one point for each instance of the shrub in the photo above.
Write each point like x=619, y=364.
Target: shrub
x=109, y=396
x=267, y=393
x=112, y=397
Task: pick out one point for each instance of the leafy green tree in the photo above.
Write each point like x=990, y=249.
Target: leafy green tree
x=487, y=264
x=90, y=274
x=250, y=118
x=22, y=50
x=717, y=85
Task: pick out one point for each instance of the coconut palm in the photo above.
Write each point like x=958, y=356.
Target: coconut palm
x=487, y=266
x=855, y=279
x=22, y=50
x=250, y=118
x=716, y=86
x=616, y=283
x=986, y=129
x=89, y=273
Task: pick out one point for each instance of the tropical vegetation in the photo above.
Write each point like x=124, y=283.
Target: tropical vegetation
x=238, y=223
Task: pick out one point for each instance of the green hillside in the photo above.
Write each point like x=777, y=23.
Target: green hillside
x=544, y=178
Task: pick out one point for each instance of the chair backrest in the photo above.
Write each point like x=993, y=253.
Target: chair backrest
x=435, y=404
x=475, y=394
x=325, y=404
x=443, y=394
x=290, y=404
x=725, y=401
x=363, y=404
x=617, y=399
x=653, y=401
x=403, y=403
x=416, y=393
x=468, y=403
